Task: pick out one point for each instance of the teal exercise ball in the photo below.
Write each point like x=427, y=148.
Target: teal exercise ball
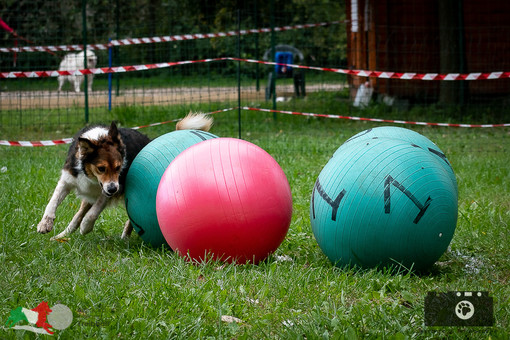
x=383, y=202
x=416, y=139
x=143, y=179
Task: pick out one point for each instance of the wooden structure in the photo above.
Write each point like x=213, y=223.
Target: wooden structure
x=437, y=36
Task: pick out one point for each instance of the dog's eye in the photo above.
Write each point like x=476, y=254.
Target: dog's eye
x=117, y=169
x=101, y=169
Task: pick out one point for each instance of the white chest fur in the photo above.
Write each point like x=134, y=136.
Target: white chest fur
x=86, y=188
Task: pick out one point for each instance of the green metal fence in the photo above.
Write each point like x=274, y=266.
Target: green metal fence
x=125, y=34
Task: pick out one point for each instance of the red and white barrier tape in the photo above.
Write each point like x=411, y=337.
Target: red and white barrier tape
x=137, y=41
x=393, y=75
x=101, y=70
x=36, y=143
x=52, y=49
x=178, y=119
x=360, y=73
x=377, y=120
x=70, y=140
x=151, y=40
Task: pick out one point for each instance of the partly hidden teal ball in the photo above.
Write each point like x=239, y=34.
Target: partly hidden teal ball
x=383, y=202
x=143, y=179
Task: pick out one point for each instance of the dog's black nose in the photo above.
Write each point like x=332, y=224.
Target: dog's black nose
x=111, y=188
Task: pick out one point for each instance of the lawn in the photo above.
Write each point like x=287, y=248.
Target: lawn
x=127, y=290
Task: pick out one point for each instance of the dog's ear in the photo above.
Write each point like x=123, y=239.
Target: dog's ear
x=113, y=132
x=86, y=146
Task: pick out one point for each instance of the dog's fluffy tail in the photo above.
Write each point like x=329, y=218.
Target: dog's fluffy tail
x=195, y=121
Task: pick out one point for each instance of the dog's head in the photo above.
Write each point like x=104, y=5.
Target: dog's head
x=102, y=156
x=91, y=59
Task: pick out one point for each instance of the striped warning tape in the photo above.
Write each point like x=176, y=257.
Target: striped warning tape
x=247, y=108
x=137, y=41
x=101, y=70
x=70, y=140
x=360, y=73
x=36, y=143
x=151, y=40
x=392, y=75
x=178, y=119
x=377, y=120
x=53, y=48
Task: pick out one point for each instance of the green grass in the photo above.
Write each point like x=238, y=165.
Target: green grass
x=127, y=290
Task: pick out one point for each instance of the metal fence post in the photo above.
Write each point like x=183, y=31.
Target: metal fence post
x=110, y=52
x=84, y=33
x=239, y=71
x=273, y=51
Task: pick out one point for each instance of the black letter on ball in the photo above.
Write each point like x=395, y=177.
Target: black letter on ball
x=334, y=204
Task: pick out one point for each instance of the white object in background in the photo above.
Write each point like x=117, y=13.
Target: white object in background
x=363, y=95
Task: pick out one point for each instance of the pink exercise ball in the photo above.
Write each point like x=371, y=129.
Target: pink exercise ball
x=224, y=199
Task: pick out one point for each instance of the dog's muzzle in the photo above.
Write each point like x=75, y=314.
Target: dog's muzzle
x=110, y=189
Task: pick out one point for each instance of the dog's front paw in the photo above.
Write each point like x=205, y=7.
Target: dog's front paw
x=46, y=225
x=60, y=237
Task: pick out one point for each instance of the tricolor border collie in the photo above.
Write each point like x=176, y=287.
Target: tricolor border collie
x=96, y=167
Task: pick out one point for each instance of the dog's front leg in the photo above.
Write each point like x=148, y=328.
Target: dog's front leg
x=75, y=222
x=77, y=80
x=61, y=191
x=90, y=79
x=87, y=224
x=61, y=80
